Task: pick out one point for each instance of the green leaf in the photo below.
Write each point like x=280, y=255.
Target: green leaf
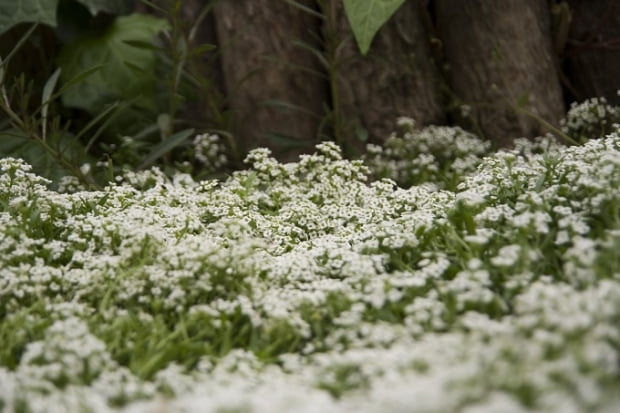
x=140, y=44
x=203, y=48
x=46, y=98
x=16, y=144
x=165, y=146
x=77, y=79
x=48, y=89
x=163, y=122
x=115, y=80
x=366, y=17
x=13, y=12
x=108, y=6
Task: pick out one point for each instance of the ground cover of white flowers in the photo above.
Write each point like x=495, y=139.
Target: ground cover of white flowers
x=491, y=285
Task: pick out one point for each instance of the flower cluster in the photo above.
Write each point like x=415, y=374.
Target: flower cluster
x=593, y=118
x=305, y=287
x=437, y=155
x=210, y=152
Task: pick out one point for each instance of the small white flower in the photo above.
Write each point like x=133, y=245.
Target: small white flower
x=507, y=256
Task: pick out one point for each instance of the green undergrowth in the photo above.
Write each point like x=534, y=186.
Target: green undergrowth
x=482, y=281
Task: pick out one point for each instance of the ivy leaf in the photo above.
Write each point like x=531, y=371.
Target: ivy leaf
x=366, y=17
x=115, y=80
x=118, y=7
x=13, y=12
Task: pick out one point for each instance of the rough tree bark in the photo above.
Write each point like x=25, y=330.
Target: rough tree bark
x=593, y=49
x=500, y=54
x=262, y=63
x=398, y=77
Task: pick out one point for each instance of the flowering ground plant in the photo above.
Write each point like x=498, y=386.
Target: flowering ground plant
x=306, y=287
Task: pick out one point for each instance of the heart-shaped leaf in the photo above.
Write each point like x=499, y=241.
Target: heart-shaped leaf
x=366, y=17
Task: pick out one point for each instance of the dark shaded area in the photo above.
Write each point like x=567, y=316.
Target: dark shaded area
x=593, y=49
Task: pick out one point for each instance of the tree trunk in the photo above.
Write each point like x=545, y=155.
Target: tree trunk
x=398, y=77
x=502, y=64
x=593, y=49
x=275, y=97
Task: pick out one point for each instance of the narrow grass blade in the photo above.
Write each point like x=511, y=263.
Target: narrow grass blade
x=46, y=98
x=77, y=79
x=19, y=44
x=165, y=146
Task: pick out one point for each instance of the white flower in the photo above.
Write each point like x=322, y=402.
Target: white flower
x=507, y=256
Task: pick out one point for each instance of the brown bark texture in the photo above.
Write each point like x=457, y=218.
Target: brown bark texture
x=501, y=58
x=398, y=77
x=263, y=63
x=593, y=49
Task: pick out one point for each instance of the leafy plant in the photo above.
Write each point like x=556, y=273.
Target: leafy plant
x=36, y=135
x=13, y=12
x=114, y=92
x=125, y=72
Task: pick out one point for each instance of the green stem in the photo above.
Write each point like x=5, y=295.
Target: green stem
x=29, y=132
x=546, y=124
x=333, y=71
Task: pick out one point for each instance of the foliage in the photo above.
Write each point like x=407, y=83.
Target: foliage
x=367, y=16
x=118, y=61
x=300, y=286
x=13, y=12
x=113, y=95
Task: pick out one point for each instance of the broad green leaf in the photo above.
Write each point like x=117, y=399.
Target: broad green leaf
x=16, y=144
x=115, y=80
x=140, y=44
x=366, y=17
x=77, y=79
x=108, y=6
x=109, y=114
x=13, y=12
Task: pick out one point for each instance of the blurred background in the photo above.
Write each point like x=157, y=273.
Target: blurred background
x=92, y=87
